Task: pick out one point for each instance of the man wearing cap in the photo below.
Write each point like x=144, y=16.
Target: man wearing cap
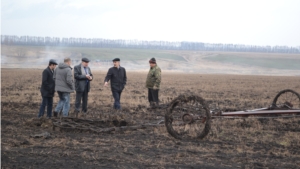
x=117, y=77
x=83, y=76
x=153, y=83
x=47, y=89
x=64, y=85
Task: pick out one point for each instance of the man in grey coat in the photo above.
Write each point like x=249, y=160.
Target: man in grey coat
x=64, y=85
x=83, y=76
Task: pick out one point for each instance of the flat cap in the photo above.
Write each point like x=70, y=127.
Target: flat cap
x=116, y=59
x=85, y=60
x=52, y=61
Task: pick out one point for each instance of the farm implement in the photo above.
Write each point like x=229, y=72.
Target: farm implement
x=189, y=116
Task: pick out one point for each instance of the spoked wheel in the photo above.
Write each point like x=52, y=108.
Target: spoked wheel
x=287, y=100
x=188, y=117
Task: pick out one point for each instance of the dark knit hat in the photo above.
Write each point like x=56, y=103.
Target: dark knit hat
x=52, y=61
x=85, y=60
x=152, y=60
x=116, y=59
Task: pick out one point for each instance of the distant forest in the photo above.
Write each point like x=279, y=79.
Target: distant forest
x=141, y=44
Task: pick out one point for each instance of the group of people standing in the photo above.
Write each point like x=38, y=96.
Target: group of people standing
x=61, y=80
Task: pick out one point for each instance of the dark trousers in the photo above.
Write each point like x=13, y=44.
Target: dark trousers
x=153, y=95
x=84, y=97
x=47, y=101
x=117, y=97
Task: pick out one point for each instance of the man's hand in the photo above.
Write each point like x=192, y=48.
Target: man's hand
x=89, y=77
x=105, y=84
x=155, y=88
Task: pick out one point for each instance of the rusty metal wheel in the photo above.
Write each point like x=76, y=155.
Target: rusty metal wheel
x=286, y=99
x=188, y=117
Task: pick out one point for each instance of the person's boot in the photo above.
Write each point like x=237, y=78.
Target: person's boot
x=152, y=105
x=55, y=114
x=81, y=115
x=118, y=111
x=157, y=105
x=76, y=113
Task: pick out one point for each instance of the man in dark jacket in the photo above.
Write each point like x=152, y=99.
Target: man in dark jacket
x=83, y=76
x=47, y=89
x=118, y=79
x=64, y=85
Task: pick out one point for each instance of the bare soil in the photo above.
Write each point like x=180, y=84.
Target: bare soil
x=27, y=142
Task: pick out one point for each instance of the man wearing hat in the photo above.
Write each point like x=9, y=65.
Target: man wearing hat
x=153, y=83
x=82, y=76
x=47, y=89
x=117, y=77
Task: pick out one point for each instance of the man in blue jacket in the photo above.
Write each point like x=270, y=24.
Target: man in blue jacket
x=117, y=77
x=47, y=89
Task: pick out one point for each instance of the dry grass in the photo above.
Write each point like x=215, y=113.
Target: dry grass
x=238, y=143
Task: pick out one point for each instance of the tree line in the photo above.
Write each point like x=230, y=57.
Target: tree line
x=141, y=44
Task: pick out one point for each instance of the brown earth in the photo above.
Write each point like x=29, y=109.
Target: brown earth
x=231, y=143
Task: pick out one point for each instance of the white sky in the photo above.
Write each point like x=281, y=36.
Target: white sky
x=254, y=22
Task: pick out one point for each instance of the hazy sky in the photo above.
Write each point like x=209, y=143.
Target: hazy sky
x=256, y=22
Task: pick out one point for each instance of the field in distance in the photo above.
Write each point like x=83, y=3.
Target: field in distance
x=204, y=62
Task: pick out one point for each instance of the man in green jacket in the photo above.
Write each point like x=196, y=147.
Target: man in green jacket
x=153, y=83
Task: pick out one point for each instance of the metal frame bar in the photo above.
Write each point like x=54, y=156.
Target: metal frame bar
x=260, y=112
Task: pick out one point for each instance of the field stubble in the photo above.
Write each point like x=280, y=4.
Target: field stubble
x=249, y=143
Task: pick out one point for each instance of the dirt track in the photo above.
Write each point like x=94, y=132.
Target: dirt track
x=250, y=143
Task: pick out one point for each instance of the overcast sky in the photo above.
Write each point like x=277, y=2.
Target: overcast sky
x=253, y=22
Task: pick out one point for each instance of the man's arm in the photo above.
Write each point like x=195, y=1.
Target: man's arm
x=78, y=75
x=108, y=77
x=91, y=75
x=54, y=74
x=45, y=80
x=70, y=79
x=125, y=77
x=157, y=75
